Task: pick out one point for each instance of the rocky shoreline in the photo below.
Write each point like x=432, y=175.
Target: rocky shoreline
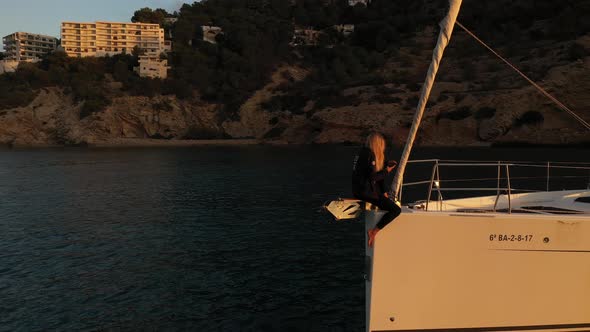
x=144, y=143
x=134, y=142
x=520, y=116
x=161, y=143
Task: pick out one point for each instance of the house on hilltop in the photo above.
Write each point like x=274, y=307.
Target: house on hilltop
x=170, y=20
x=210, y=33
x=344, y=29
x=355, y=2
x=152, y=65
x=306, y=37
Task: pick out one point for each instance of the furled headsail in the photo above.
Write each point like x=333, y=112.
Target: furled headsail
x=446, y=30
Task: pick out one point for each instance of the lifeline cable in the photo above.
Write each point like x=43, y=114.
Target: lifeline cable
x=553, y=99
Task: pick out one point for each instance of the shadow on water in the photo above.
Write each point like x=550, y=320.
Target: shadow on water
x=207, y=238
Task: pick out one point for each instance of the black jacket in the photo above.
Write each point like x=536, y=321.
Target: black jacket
x=367, y=182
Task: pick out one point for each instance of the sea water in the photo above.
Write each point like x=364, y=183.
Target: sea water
x=204, y=238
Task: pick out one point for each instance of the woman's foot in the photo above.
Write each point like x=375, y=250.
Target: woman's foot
x=371, y=234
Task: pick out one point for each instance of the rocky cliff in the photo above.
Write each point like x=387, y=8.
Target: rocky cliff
x=493, y=105
x=53, y=118
x=475, y=101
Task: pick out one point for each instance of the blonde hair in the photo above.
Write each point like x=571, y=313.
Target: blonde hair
x=376, y=143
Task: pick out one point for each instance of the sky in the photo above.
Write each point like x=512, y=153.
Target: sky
x=45, y=16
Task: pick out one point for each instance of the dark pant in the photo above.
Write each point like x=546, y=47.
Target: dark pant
x=383, y=203
x=392, y=209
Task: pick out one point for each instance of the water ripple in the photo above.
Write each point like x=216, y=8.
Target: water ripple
x=205, y=239
x=177, y=239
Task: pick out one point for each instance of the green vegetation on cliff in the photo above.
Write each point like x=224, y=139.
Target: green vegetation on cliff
x=255, y=39
x=86, y=78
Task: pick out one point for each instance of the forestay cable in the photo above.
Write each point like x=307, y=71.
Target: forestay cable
x=543, y=91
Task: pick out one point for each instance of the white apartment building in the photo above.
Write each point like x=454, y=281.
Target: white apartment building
x=24, y=46
x=110, y=38
x=150, y=65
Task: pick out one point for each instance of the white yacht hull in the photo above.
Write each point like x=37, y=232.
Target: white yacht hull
x=449, y=271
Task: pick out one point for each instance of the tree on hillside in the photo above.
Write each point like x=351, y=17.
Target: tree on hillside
x=147, y=15
x=319, y=14
x=137, y=51
x=256, y=36
x=2, y=56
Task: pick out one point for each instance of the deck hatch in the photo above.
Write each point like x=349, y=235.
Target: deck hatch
x=583, y=199
x=551, y=209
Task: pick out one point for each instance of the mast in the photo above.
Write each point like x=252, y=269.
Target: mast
x=446, y=30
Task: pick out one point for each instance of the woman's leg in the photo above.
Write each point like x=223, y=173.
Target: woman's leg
x=393, y=210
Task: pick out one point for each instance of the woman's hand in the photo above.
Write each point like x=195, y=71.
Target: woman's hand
x=391, y=164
